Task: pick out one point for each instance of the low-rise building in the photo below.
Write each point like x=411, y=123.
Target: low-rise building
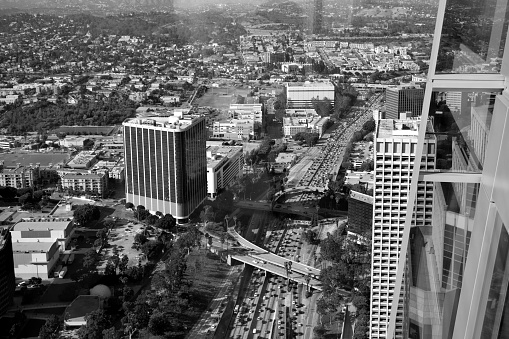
x=96, y=183
x=83, y=160
x=49, y=229
x=35, y=259
x=224, y=165
x=234, y=129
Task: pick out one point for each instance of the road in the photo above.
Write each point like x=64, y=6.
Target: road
x=262, y=254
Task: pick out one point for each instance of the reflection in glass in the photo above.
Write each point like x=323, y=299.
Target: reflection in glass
x=473, y=36
x=437, y=258
x=495, y=323
x=461, y=122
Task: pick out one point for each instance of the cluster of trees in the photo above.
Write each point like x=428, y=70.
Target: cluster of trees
x=28, y=197
x=32, y=200
x=85, y=214
x=311, y=237
x=366, y=133
x=309, y=138
x=346, y=97
x=350, y=270
x=334, y=200
x=43, y=115
x=159, y=311
x=164, y=222
x=323, y=107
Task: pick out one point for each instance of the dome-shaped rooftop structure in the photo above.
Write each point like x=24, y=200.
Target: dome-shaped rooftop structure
x=101, y=291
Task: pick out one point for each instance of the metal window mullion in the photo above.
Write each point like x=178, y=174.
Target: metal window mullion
x=412, y=195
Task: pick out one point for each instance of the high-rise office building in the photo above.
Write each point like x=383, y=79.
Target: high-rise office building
x=166, y=163
x=7, y=280
x=318, y=16
x=449, y=276
x=403, y=99
x=396, y=142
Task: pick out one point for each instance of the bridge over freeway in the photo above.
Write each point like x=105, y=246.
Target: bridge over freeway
x=283, y=208
x=270, y=262
x=267, y=266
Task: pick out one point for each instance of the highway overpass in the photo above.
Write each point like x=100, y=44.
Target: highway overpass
x=248, y=259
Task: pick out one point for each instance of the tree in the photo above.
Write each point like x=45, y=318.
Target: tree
x=122, y=265
x=167, y=223
x=111, y=333
x=90, y=259
x=51, y=329
x=369, y=125
x=137, y=315
x=25, y=198
x=102, y=233
x=319, y=332
x=151, y=249
x=331, y=248
x=207, y=214
x=84, y=214
x=140, y=238
x=159, y=323
x=97, y=322
x=360, y=302
x=152, y=219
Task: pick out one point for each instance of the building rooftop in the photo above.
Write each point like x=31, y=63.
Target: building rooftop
x=42, y=224
x=326, y=84
x=81, y=306
x=31, y=247
x=83, y=175
x=178, y=121
x=361, y=197
x=403, y=129
x=217, y=154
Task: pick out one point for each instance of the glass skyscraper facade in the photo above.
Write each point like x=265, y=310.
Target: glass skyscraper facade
x=449, y=275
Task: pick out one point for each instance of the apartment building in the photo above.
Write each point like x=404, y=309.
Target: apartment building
x=19, y=176
x=95, y=183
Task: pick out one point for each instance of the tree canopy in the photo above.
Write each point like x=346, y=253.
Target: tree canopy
x=84, y=214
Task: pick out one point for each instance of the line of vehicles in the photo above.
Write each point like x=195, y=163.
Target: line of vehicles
x=61, y=270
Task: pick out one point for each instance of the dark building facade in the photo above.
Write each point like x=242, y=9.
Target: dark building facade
x=166, y=164
x=7, y=278
x=403, y=99
x=318, y=17
x=360, y=212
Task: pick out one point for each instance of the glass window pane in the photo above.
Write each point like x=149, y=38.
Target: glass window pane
x=494, y=325
x=473, y=36
x=437, y=255
x=461, y=125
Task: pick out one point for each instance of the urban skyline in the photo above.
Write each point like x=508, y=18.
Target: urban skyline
x=305, y=169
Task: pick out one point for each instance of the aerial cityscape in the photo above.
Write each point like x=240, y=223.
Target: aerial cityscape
x=254, y=169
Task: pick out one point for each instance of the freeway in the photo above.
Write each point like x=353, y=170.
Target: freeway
x=304, y=211
x=294, y=275
x=274, y=259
